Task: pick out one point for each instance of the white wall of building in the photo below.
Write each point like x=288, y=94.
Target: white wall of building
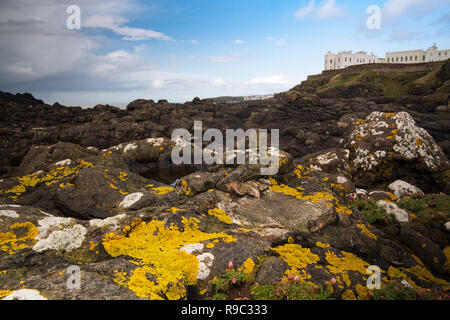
x=344, y=59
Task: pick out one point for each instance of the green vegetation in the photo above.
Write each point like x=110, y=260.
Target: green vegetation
x=371, y=211
x=428, y=206
x=231, y=279
x=395, y=290
x=288, y=290
x=241, y=284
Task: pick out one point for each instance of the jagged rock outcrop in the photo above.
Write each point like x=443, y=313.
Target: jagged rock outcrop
x=155, y=241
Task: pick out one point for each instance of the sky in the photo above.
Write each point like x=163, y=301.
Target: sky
x=177, y=50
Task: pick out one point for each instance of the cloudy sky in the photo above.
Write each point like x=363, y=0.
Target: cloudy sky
x=178, y=49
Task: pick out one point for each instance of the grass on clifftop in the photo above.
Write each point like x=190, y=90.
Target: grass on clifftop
x=392, y=84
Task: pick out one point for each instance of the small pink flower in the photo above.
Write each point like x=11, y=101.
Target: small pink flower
x=230, y=265
x=315, y=288
x=277, y=294
x=370, y=294
x=297, y=279
x=233, y=281
x=290, y=276
x=333, y=281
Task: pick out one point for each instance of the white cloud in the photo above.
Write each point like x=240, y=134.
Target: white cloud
x=219, y=82
x=193, y=41
x=275, y=79
x=238, y=41
x=277, y=42
x=306, y=10
x=116, y=24
x=226, y=59
x=330, y=10
x=327, y=9
x=159, y=84
x=396, y=8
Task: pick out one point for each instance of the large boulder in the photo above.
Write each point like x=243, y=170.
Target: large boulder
x=389, y=146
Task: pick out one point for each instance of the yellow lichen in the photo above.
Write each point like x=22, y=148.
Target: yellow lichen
x=366, y=231
x=92, y=245
x=18, y=239
x=446, y=252
x=123, y=176
x=65, y=185
x=316, y=198
x=322, y=245
x=248, y=266
x=298, y=258
x=186, y=188
x=4, y=293
x=221, y=215
x=162, y=190
x=164, y=270
x=174, y=210
x=344, y=210
x=347, y=262
x=348, y=295
x=49, y=178
x=362, y=292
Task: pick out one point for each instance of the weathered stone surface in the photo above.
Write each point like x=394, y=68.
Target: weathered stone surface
x=391, y=208
x=401, y=189
x=96, y=189
x=390, y=145
x=272, y=270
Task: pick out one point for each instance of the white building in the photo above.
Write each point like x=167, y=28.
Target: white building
x=346, y=59
x=418, y=56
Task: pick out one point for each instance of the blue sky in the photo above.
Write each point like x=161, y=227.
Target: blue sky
x=176, y=50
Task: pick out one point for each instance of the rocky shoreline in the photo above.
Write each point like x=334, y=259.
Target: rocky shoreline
x=362, y=182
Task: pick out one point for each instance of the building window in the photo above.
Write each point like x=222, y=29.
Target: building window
x=401, y=59
x=397, y=59
x=416, y=58
x=423, y=58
